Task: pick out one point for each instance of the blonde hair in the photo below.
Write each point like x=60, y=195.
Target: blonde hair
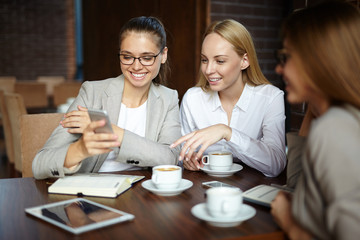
x=236, y=34
x=326, y=42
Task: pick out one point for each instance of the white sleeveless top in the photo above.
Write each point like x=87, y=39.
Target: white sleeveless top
x=133, y=120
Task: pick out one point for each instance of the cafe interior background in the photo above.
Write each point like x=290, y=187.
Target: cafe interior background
x=78, y=40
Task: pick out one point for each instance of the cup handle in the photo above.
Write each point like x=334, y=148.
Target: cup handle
x=154, y=178
x=207, y=161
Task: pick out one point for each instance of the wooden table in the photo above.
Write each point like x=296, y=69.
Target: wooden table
x=156, y=217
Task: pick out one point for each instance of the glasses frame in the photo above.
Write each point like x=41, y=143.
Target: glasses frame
x=281, y=56
x=139, y=58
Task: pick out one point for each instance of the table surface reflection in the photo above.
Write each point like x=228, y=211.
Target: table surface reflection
x=156, y=217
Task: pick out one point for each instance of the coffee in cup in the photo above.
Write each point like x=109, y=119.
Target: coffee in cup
x=224, y=202
x=219, y=161
x=166, y=176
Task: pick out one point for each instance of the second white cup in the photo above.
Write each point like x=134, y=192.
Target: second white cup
x=224, y=202
x=166, y=176
x=220, y=161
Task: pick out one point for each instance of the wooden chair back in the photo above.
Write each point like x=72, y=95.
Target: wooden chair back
x=15, y=108
x=33, y=93
x=64, y=91
x=35, y=130
x=7, y=128
x=7, y=83
x=51, y=82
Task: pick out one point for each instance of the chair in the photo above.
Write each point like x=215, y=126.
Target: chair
x=7, y=83
x=51, y=82
x=33, y=93
x=16, y=107
x=35, y=130
x=7, y=128
x=64, y=91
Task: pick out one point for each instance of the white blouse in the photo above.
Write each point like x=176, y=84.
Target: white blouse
x=257, y=122
x=131, y=119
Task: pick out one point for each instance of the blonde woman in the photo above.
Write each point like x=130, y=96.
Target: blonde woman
x=233, y=107
x=320, y=65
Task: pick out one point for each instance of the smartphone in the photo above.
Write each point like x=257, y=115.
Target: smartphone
x=97, y=115
x=215, y=184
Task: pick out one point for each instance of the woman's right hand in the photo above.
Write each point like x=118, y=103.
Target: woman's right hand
x=97, y=143
x=202, y=138
x=90, y=144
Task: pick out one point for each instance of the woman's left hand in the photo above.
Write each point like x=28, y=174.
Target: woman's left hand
x=76, y=121
x=193, y=164
x=204, y=138
x=281, y=210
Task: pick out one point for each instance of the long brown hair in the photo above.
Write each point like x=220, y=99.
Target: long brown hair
x=154, y=26
x=326, y=42
x=236, y=34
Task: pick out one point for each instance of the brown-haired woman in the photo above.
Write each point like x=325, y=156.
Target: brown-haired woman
x=320, y=64
x=143, y=112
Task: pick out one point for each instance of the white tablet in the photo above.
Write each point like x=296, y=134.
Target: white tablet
x=79, y=215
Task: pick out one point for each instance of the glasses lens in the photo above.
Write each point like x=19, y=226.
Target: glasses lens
x=126, y=59
x=147, y=60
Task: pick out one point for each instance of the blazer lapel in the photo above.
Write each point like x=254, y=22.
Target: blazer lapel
x=112, y=103
x=154, y=110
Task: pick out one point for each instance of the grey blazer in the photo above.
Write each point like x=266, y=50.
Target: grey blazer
x=162, y=129
x=327, y=195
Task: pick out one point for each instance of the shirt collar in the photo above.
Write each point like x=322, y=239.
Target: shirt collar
x=213, y=100
x=243, y=102
x=245, y=98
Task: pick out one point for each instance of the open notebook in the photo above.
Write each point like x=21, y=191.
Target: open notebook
x=98, y=185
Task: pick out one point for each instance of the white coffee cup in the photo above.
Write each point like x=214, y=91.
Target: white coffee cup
x=166, y=176
x=224, y=202
x=220, y=161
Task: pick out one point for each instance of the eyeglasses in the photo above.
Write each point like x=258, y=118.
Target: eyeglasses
x=144, y=60
x=281, y=56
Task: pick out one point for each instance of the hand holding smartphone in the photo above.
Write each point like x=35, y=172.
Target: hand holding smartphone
x=97, y=115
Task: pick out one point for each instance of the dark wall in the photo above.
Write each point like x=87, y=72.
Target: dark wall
x=263, y=20
x=37, y=38
x=185, y=22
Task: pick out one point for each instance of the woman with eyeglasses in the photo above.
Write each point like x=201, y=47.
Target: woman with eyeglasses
x=233, y=107
x=144, y=113
x=321, y=59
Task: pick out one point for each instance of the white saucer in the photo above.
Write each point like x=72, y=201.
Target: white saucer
x=217, y=173
x=184, y=185
x=201, y=212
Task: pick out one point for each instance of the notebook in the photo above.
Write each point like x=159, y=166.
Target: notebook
x=98, y=185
